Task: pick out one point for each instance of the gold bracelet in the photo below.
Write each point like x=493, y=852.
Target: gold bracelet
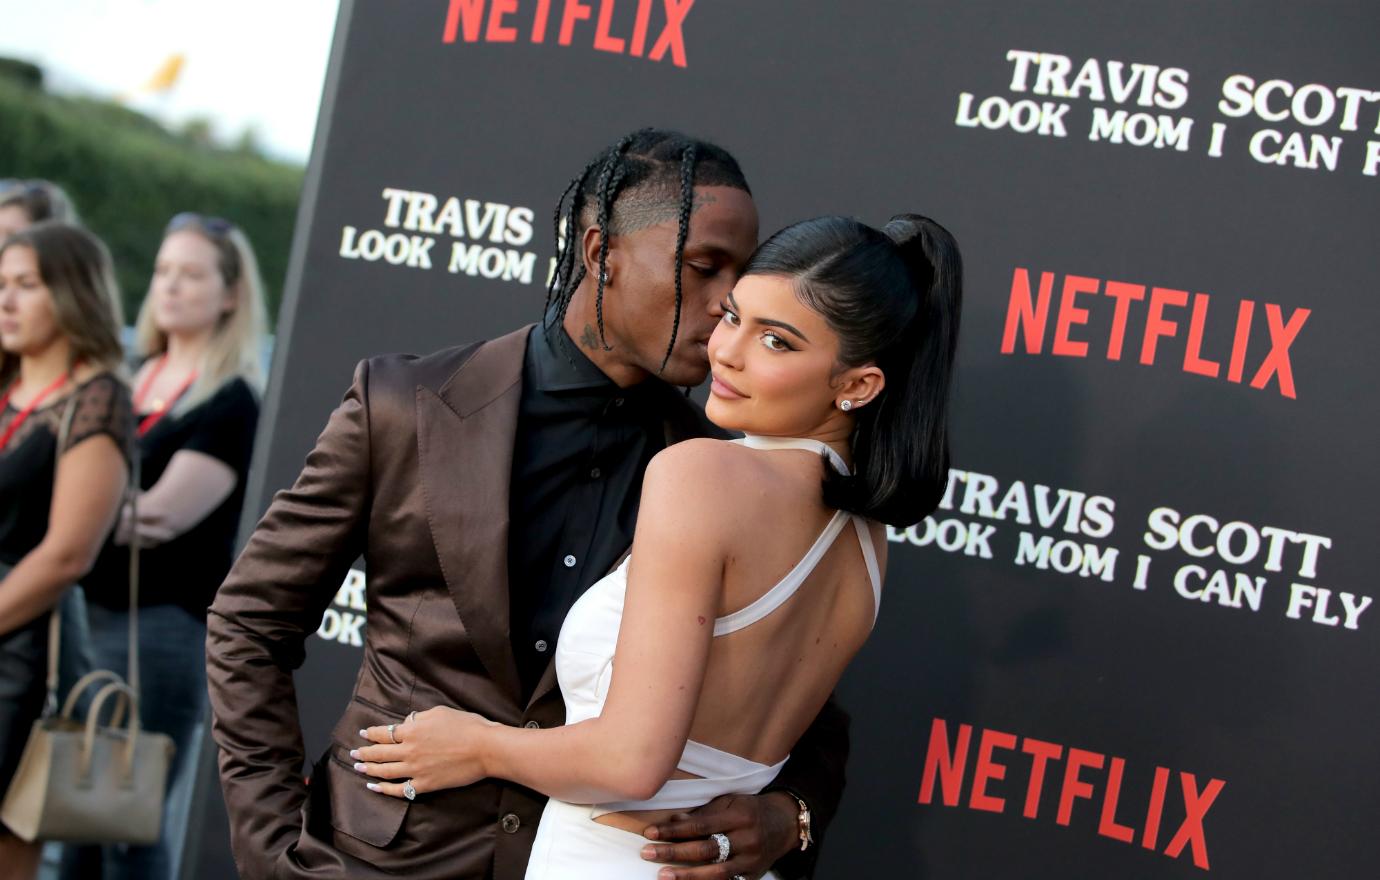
x=803, y=824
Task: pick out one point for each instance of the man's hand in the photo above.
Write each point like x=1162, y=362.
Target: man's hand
x=760, y=830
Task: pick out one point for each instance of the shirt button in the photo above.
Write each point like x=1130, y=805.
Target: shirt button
x=511, y=823
x=595, y=473
x=541, y=646
x=618, y=401
x=569, y=562
x=532, y=725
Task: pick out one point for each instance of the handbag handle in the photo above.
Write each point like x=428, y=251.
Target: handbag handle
x=55, y=619
x=88, y=744
x=69, y=707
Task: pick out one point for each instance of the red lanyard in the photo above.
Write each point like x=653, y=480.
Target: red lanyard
x=160, y=407
x=28, y=410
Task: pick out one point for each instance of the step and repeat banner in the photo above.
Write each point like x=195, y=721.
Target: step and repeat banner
x=1139, y=637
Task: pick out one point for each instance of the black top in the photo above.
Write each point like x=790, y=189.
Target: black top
x=582, y=446
x=187, y=570
x=100, y=405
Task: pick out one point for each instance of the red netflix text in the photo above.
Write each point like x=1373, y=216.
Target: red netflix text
x=1164, y=310
x=1085, y=776
x=507, y=21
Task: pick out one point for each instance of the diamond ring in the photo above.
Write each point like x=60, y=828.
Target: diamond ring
x=725, y=850
x=409, y=791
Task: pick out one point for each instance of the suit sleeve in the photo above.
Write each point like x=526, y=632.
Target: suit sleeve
x=815, y=774
x=258, y=625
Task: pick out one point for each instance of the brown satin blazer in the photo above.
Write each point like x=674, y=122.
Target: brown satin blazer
x=412, y=473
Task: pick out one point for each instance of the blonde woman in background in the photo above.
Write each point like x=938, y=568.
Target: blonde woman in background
x=59, y=354
x=201, y=332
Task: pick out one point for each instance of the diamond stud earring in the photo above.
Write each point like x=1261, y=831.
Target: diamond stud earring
x=846, y=405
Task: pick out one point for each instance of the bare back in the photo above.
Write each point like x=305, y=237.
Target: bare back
x=765, y=683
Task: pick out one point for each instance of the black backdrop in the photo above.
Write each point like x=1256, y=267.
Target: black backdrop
x=1031, y=703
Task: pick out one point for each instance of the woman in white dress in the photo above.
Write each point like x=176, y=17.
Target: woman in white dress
x=755, y=572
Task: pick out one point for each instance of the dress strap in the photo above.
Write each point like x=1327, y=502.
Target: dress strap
x=874, y=570
x=762, y=441
x=718, y=773
x=785, y=588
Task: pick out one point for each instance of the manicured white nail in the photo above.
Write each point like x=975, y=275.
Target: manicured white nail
x=354, y=753
x=359, y=768
x=372, y=786
x=363, y=733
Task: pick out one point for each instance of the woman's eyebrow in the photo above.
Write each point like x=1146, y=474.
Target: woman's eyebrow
x=770, y=322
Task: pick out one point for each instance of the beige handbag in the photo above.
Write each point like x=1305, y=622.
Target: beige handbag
x=78, y=781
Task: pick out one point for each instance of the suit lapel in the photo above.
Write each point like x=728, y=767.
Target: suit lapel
x=465, y=435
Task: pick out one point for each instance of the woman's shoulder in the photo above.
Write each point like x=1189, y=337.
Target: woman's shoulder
x=235, y=392
x=100, y=386
x=701, y=453
x=101, y=405
x=717, y=470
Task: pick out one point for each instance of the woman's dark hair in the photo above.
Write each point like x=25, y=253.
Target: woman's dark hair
x=646, y=178
x=893, y=297
x=75, y=266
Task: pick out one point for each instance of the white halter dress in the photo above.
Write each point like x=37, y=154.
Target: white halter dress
x=569, y=844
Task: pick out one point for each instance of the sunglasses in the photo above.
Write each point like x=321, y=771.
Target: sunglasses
x=217, y=226
x=30, y=191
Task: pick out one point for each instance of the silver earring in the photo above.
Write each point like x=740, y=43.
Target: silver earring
x=603, y=278
x=846, y=405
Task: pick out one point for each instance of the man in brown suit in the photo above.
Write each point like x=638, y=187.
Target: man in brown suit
x=486, y=487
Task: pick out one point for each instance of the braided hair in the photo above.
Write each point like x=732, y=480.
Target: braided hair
x=624, y=189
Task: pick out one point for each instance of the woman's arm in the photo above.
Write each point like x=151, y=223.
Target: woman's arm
x=90, y=484
x=203, y=472
x=193, y=485
x=632, y=748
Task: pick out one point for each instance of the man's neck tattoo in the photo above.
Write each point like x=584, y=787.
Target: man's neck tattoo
x=590, y=338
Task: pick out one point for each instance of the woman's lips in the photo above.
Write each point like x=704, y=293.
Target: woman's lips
x=720, y=388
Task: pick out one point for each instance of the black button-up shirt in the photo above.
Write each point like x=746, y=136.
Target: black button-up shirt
x=582, y=447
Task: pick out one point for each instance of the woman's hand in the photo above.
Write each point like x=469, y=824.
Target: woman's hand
x=153, y=529
x=436, y=749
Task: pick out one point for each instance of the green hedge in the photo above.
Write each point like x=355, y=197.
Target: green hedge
x=128, y=175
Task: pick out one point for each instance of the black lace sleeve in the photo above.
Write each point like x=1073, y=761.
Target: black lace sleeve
x=103, y=407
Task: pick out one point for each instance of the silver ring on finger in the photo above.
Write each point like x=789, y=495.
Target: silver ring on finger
x=725, y=848
x=409, y=791
x=392, y=735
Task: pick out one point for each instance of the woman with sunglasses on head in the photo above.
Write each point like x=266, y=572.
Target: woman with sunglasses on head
x=201, y=331
x=26, y=202
x=59, y=360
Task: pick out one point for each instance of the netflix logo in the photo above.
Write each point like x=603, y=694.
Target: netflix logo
x=656, y=37
x=1262, y=334
x=1009, y=772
